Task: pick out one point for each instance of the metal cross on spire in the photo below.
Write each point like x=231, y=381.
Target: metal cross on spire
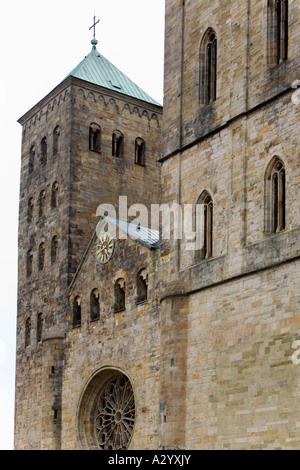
x=94, y=25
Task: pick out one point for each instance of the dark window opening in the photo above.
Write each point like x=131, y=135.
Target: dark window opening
x=208, y=68
x=95, y=305
x=76, y=312
x=43, y=158
x=278, y=196
x=31, y=159
x=119, y=291
x=56, y=135
x=140, y=151
x=206, y=202
x=281, y=9
x=142, y=286
x=117, y=144
x=95, y=138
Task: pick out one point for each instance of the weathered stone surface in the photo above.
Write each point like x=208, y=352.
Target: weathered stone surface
x=209, y=354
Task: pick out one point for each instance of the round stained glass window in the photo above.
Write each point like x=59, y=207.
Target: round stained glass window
x=106, y=412
x=115, y=415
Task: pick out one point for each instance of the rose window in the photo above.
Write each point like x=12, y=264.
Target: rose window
x=115, y=415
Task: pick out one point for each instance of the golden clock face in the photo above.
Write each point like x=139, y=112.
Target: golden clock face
x=105, y=248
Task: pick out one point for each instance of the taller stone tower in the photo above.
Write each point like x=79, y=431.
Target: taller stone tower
x=230, y=144
x=94, y=137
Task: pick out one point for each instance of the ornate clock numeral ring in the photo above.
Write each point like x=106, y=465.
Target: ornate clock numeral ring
x=105, y=248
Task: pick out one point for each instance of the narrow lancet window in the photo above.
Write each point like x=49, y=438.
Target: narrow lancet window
x=142, y=286
x=117, y=144
x=95, y=305
x=281, y=8
x=31, y=159
x=208, y=68
x=77, y=312
x=140, y=148
x=43, y=158
x=56, y=135
x=206, y=203
x=119, y=291
x=278, y=31
x=275, y=197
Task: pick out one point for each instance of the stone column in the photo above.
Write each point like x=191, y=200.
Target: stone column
x=53, y=359
x=174, y=329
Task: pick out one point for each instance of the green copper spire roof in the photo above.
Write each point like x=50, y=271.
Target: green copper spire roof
x=95, y=68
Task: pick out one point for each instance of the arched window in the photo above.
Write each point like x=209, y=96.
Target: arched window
x=119, y=291
x=30, y=210
x=56, y=135
x=31, y=159
x=117, y=144
x=140, y=148
x=142, y=286
x=41, y=256
x=43, y=158
x=54, y=245
x=208, y=67
x=29, y=258
x=95, y=305
x=77, y=311
x=27, y=332
x=275, y=196
x=39, y=328
x=206, y=202
x=278, y=30
x=54, y=194
x=42, y=198
x=95, y=138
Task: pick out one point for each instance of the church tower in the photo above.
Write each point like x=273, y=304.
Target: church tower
x=147, y=341
x=93, y=138
x=231, y=146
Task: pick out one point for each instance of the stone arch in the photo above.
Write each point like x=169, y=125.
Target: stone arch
x=96, y=412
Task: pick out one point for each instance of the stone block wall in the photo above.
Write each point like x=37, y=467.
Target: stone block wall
x=128, y=341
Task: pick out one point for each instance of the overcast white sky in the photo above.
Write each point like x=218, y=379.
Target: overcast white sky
x=40, y=43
